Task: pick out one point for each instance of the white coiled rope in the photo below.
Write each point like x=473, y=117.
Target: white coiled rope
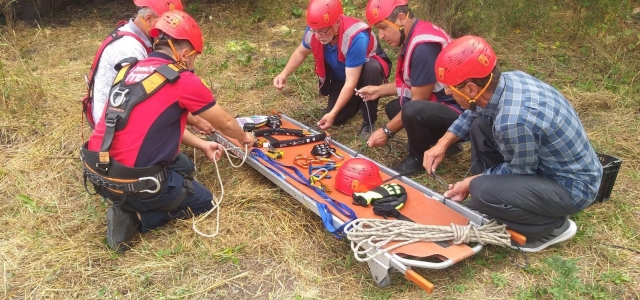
x=217, y=201
x=379, y=232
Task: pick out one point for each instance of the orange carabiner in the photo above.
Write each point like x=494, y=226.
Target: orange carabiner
x=303, y=161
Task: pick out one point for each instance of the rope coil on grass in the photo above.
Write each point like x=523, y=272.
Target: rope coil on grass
x=380, y=232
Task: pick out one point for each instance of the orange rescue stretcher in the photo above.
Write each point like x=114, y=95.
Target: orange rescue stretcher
x=423, y=206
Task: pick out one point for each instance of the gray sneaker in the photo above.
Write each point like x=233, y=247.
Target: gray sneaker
x=121, y=226
x=561, y=234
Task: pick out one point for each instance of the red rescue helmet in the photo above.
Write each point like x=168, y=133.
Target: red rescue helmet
x=464, y=58
x=323, y=13
x=179, y=25
x=160, y=6
x=378, y=10
x=358, y=175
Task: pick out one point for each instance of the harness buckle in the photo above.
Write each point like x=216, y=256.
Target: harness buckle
x=110, y=120
x=116, y=100
x=155, y=180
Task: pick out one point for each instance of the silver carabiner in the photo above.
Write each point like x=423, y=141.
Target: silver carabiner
x=120, y=99
x=155, y=180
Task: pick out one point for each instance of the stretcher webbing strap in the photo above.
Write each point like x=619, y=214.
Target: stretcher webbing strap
x=280, y=131
x=324, y=211
x=376, y=233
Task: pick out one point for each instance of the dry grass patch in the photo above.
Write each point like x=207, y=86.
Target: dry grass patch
x=270, y=246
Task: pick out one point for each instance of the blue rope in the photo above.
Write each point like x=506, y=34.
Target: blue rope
x=325, y=213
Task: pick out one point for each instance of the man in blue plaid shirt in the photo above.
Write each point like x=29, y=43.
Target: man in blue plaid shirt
x=533, y=165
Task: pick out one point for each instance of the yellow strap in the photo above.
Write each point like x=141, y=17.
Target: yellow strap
x=121, y=74
x=205, y=84
x=152, y=82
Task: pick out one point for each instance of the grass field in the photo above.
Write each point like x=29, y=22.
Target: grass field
x=271, y=247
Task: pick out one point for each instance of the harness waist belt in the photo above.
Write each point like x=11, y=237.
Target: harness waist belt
x=121, y=178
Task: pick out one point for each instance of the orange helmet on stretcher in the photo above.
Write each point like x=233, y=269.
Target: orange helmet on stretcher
x=357, y=175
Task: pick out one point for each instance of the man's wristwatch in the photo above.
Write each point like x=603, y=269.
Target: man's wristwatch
x=388, y=132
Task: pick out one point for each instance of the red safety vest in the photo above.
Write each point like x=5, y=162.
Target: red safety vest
x=423, y=32
x=349, y=28
x=87, y=100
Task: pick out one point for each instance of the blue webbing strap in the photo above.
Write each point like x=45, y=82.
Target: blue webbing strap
x=323, y=209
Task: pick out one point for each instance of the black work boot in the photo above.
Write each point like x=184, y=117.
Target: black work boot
x=121, y=226
x=454, y=149
x=409, y=165
x=366, y=129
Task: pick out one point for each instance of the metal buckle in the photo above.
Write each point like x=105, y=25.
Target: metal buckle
x=155, y=180
x=120, y=99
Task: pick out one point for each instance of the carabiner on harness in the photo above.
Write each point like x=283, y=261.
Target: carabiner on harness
x=155, y=180
x=116, y=100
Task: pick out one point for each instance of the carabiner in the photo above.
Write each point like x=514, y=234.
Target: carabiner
x=120, y=99
x=325, y=174
x=155, y=180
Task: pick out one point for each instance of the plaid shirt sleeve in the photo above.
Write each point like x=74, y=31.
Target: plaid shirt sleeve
x=462, y=125
x=518, y=145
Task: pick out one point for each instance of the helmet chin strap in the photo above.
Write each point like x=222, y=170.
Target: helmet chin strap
x=400, y=28
x=145, y=23
x=472, y=101
x=179, y=62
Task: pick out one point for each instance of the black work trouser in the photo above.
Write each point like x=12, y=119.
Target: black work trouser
x=425, y=122
x=371, y=74
x=151, y=209
x=532, y=205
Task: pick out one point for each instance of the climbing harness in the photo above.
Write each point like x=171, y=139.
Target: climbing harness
x=107, y=174
x=87, y=100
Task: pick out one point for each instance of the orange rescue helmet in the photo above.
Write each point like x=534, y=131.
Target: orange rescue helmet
x=464, y=58
x=378, y=10
x=160, y=6
x=179, y=25
x=357, y=175
x=323, y=13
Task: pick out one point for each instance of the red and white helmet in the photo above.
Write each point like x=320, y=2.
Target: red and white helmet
x=323, y=13
x=358, y=175
x=160, y=6
x=179, y=25
x=378, y=10
x=464, y=58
